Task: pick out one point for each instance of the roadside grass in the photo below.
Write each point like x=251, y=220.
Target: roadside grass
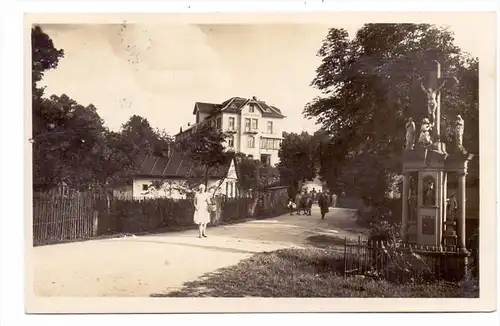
x=313, y=272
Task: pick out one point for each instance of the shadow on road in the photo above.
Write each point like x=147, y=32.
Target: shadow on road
x=215, y=248
x=325, y=241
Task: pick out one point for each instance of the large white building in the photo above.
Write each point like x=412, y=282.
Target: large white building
x=255, y=127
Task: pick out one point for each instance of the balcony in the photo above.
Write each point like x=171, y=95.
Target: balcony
x=231, y=131
x=251, y=131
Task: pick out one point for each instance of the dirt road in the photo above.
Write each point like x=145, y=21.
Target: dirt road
x=142, y=265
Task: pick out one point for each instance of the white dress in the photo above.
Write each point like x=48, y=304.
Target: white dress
x=202, y=215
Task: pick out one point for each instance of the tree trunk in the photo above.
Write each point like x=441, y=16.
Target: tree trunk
x=108, y=200
x=206, y=176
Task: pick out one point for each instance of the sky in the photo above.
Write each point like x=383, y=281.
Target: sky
x=160, y=71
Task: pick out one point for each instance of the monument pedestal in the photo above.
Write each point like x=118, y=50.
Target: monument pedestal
x=430, y=166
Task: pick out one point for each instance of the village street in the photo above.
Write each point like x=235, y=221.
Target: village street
x=142, y=265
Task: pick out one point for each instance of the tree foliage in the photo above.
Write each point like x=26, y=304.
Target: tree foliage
x=371, y=84
x=205, y=147
x=44, y=56
x=138, y=132
x=253, y=175
x=297, y=159
x=66, y=138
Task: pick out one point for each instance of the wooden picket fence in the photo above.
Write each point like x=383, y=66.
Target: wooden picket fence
x=63, y=215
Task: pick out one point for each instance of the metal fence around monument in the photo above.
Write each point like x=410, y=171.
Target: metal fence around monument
x=405, y=262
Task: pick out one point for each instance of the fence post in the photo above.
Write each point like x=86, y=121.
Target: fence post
x=95, y=223
x=345, y=256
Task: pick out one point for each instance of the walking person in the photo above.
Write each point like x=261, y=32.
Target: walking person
x=334, y=200
x=323, y=204
x=309, y=203
x=298, y=200
x=201, y=212
x=290, y=206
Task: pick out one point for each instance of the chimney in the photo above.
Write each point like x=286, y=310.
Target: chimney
x=254, y=98
x=180, y=130
x=189, y=123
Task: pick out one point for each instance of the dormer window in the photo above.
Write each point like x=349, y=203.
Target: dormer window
x=231, y=123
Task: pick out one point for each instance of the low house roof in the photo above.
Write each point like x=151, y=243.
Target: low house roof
x=176, y=165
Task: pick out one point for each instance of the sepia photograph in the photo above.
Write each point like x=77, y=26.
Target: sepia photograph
x=231, y=159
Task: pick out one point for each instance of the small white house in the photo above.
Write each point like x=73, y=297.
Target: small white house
x=160, y=176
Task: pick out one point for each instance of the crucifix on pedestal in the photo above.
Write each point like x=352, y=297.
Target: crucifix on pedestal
x=433, y=92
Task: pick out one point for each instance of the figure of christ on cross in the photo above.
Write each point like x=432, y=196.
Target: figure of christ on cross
x=435, y=83
x=432, y=101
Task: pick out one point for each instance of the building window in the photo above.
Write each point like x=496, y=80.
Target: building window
x=251, y=107
x=265, y=159
x=219, y=123
x=231, y=123
x=145, y=187
x=269, y=143
x=232, y=190
x=255, y=124
x=269, y=127
x=227, y=189
x=247, y=124
x=251, y=142
x=263, y=143
x=230, y=141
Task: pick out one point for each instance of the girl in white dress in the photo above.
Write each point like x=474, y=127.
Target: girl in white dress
x=201, y=213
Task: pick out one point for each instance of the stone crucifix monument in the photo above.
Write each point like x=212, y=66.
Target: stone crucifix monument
x=426, y=167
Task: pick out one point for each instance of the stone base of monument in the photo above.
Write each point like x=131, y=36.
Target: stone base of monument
x=450, y=264
x=412, y=237
x=450, y=237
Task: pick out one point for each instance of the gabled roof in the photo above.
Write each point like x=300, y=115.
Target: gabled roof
x=235, y=105
x=177, y=165
x=205, y=107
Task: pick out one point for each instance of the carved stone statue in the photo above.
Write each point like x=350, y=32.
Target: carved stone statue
x=410, y=134
x=432, y=103
x=459, y=131
x=429, y=193
x=425, y=133
x=452, y=206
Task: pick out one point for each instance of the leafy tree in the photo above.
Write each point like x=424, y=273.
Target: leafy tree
x=44, y=56
x=142, y=137
x=371, y=84
x=66, y=139
x=115, y=159
x=297, y=161
x=205, y=147
x=253, y=175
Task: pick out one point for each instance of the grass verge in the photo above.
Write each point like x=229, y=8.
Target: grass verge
x=303, y=273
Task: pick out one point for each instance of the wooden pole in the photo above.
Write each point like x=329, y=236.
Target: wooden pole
x=404, y=222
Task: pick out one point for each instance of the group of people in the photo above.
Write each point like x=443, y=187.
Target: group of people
x=304, y=200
